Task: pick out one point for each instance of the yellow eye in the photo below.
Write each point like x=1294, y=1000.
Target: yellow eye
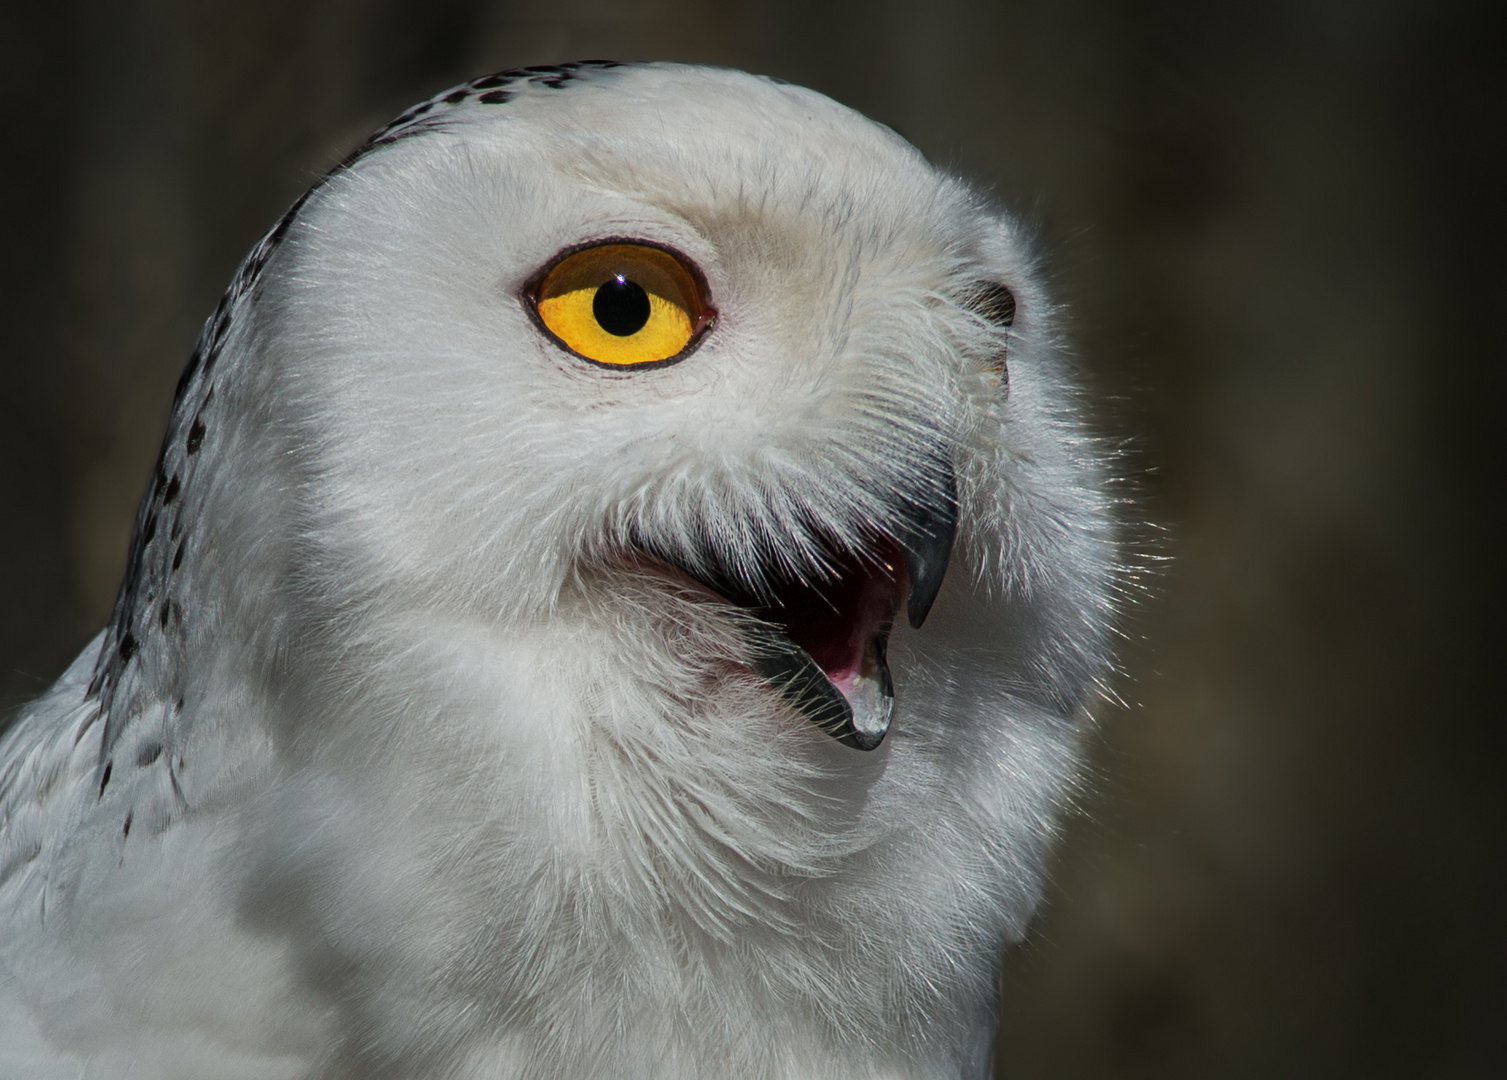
x=623, y=304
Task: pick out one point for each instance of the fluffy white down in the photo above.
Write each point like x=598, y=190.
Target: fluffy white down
x=393, y=764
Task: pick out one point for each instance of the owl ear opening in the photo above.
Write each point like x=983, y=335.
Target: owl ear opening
x=995, y=303
x=992, y=301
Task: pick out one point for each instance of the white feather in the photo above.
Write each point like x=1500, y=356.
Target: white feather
x=390, y=764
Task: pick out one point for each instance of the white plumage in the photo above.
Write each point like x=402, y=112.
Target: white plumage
x=451, y=721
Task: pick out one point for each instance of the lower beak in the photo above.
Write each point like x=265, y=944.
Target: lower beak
x=860, y=718
x=856, y=706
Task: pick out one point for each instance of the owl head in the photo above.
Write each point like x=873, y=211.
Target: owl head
x=657, y=498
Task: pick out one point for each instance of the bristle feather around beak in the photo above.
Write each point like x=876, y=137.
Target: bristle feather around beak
x=822, y=645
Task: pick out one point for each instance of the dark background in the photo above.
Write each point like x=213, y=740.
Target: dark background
x=1278, y=229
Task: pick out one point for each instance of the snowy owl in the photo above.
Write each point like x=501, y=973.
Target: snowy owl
x=619, y=596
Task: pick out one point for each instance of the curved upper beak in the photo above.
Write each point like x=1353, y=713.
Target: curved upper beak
x=927, y=546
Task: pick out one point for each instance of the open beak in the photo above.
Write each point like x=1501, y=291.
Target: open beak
x=822, y=645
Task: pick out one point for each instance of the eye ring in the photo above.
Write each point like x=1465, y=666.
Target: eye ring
x=642, y=326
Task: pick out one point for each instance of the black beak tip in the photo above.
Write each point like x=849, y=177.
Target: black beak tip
x=918, y=606
x=928, y=550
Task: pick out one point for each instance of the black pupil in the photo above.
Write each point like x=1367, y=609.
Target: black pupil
x=621, y=307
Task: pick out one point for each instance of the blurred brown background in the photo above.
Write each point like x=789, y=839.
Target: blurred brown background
x=1279, y=231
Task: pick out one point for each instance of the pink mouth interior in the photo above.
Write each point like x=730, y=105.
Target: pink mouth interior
x=835, y=620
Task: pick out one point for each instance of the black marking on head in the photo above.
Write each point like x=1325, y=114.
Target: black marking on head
x=125, y=830
x=187, y=377
x=212, y=339
x=178, y=555
x=173, y=487
x=148, y=754
x=149, y=530
x=104, y=779
x=178, y=706
x=195, y=437
x=414, y=121
x=127, y=648
x=413, y=112
x=167, y=610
